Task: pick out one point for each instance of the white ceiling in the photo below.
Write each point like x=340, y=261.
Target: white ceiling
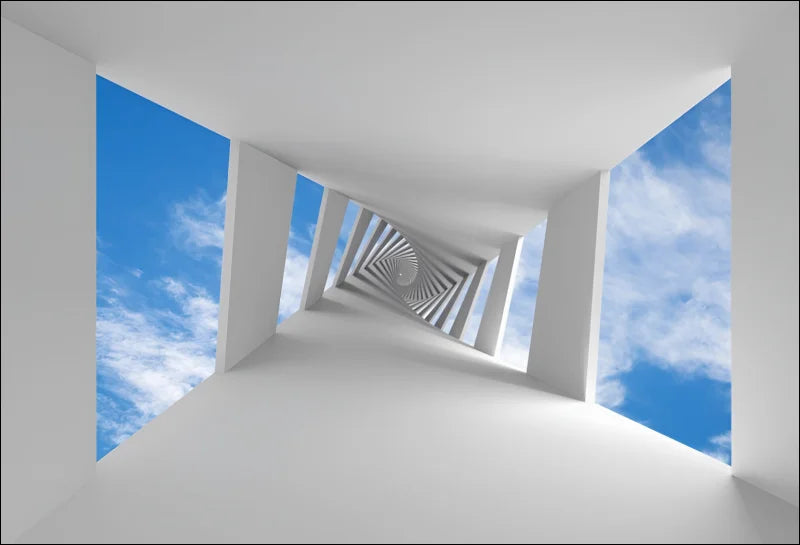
x=461, y=123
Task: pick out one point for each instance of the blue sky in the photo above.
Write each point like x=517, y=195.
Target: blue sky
x=665, y=322
x=665, y=326
x=161, y=182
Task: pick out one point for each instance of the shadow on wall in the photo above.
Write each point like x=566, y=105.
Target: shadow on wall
x=768, y=513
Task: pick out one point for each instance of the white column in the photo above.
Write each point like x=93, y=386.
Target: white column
x=258, y=213
x=764, y=261
x=353, y=243
x=376, y=235
x=495, y=313
x=329, y=224
x=566, y=324
x=48, y=277
x=450, y=303
x=468, y=304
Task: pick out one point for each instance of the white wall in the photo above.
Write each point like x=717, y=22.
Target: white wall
x=335, y=431
x=258, y=213
x=48, y=276
x=764, y=259
x=566, y=324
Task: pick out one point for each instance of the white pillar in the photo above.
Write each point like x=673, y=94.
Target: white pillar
x=329, y=224
x=450, y=303
x=376, y=235
x=258, y=212
x=353, y=243
x=764, y=261
x=468, y=304
x=48, y=277
x=566, y=325
x=495, y=313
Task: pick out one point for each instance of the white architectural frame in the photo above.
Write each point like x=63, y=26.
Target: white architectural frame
x=258, y=213
x=326, y=235
x=566, y=325
x=457, y=165
x=495, y=312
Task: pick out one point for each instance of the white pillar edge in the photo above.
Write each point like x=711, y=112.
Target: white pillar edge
x=49, y=250
x=380, y=227
x=764, y=262
x=326, y=236
x=353, y=243
x=258, y=213
x=495, y=313
x=566, y=327
x=464, y=313
x=451, y=302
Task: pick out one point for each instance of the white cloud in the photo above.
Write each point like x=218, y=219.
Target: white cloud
x=718, y=155
x=110, y=289
x=311, y=230
x=197, y=225
x=721, y=447
x=716, y=135
x=610, y=392
x=722, y=440
x=153, y=356
x=666, y=288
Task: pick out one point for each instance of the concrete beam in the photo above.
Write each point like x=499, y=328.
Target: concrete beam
x=258, y=213
x=329, y=224
x=495, y=313
x=353, y=243
x=468, y=304
x=566, y=325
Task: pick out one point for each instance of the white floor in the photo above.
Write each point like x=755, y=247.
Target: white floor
x=359, y=423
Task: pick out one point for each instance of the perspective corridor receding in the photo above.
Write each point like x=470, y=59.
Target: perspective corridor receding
x=443, y=132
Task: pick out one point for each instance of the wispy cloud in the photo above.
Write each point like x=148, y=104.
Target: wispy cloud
x=666, y=290
x=157, y=340
x=198, y=229
x=720, y=447
x=311, y=230
x=666, y=293
x=151, y=357
x=197, y=225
